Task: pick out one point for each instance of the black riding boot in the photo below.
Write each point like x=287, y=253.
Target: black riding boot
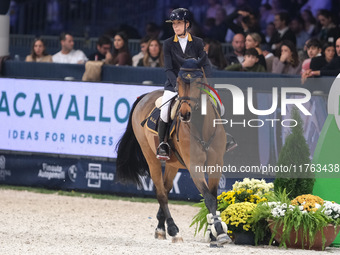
x=163, y=150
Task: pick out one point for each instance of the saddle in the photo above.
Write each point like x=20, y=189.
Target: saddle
x=152, y=120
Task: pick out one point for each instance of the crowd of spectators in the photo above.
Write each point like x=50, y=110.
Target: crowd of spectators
x=298, y=37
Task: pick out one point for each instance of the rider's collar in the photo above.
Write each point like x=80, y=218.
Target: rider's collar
x=189, y=38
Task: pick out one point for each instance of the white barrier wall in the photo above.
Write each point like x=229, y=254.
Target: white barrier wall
x=65, y=117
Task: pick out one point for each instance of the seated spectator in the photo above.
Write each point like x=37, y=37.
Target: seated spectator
x=153, y=56
x=68, y=55
x=121, y=55
x=328, y=52
x=313, y=50
x=270, y=31
x=250, y=63
x=253, y=40
x=331, y=69
x=206, y=42
x=143, y=44
x=104, y=46
x=237, y=56
x=319, y=62
x=309, y=22
x=329, y=31
x=38, y=52
x=301, y=35
x=287, y=62
x=215, y=55
x=283, y=33
x=249, y=23
x=219, y=29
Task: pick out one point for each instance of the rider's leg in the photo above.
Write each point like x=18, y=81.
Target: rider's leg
x=163, y=150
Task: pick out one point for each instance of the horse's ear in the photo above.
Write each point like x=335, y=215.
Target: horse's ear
x=201, y=60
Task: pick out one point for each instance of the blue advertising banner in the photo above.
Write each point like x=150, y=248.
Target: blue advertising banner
x=83, y=175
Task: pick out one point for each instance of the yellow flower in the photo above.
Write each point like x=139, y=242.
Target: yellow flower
x=237, y=215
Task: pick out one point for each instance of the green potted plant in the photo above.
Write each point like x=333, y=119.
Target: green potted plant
x=295, y=152
x=306, y=222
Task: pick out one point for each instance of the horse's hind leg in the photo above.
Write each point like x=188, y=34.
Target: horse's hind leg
x=164, y=215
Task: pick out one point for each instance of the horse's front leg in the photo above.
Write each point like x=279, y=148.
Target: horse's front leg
x=217, y=229
x=163, y=186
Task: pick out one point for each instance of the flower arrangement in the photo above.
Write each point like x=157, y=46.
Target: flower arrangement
x=306, y=215
x=308, y=202
x=249, y=190
x=258, y=187
x=252, y=191
x=238, y=216
x=238, y=196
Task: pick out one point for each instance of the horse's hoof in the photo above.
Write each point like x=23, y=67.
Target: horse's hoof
x=160, y=234
x=213, y=244
x=223, y=239
x=177, y=239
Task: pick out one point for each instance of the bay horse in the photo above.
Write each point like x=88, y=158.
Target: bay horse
x=202, y=145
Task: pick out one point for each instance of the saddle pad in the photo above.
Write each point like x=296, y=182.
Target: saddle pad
x=152, y=122
x=158, y=104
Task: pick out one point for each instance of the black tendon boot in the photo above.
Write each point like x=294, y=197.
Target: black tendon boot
x=163, y=150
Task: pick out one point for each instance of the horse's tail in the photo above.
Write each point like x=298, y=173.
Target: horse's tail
x=131, y=162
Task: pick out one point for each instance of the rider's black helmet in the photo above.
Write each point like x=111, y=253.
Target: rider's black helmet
x=181, y=14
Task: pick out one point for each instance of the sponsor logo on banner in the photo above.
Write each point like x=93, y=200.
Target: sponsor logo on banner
x=3, y=171
x=223, y=183
x=51, y=172
x=147, y=184
x=95, y=176
x=72, y=173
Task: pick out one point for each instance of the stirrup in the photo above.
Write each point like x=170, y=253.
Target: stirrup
x=163, y=153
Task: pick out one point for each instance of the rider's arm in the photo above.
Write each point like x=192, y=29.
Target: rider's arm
x=168, y=63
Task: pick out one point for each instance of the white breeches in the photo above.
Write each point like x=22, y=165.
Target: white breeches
x=165, y=108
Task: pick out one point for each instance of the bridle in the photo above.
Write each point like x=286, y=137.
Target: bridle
x=194, y=107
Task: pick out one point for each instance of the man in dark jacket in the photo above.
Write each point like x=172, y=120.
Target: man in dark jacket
x=281, y=22
x=104, y=45
x=237, y=56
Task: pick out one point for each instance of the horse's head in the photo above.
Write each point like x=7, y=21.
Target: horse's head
x=188, y=83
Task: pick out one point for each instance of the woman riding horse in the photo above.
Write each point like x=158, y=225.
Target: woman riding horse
x=180, y=46
x=197, y=144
